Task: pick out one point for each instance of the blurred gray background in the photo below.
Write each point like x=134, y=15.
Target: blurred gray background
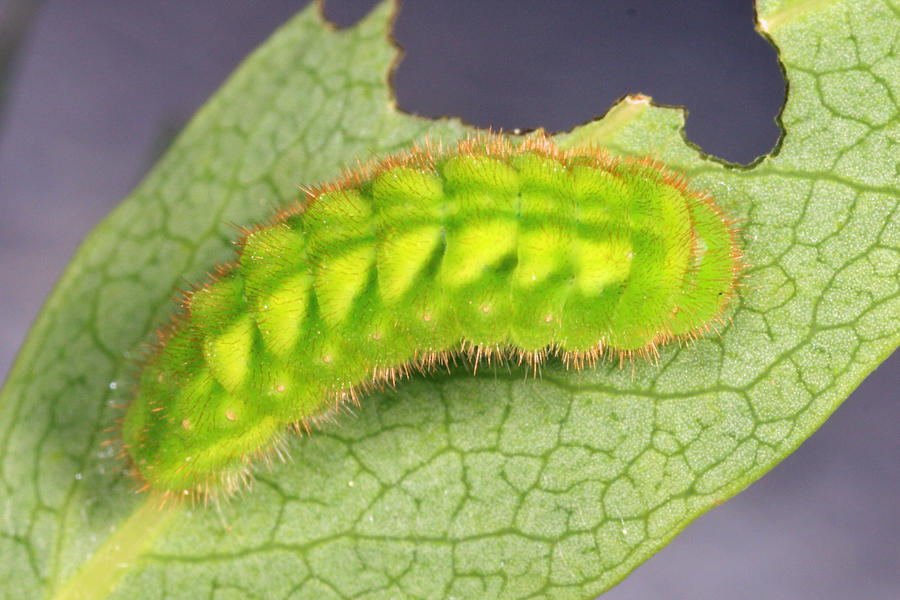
x=92, y=91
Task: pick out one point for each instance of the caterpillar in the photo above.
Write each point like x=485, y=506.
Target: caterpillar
x=486, y=249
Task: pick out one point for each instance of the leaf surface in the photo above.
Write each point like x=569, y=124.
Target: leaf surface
x=494, y=485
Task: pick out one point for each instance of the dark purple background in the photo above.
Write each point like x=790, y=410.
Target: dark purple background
x=93, y=90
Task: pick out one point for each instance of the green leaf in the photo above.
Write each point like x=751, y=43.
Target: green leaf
x=494, y=485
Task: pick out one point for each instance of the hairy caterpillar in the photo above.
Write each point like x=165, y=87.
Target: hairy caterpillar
x=487, y=249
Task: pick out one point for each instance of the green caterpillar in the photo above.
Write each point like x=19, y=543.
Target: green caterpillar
x=490, y=249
